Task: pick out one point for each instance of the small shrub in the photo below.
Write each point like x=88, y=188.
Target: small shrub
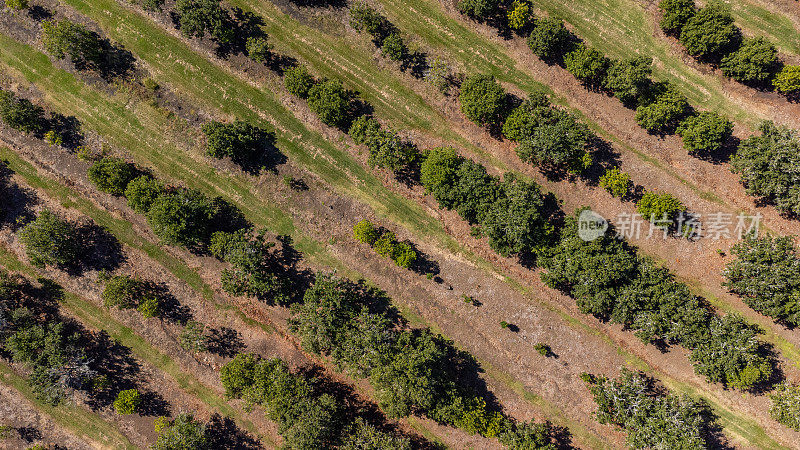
x=112, y=175
x=150, y=84
x=519, y=16
x=706, y=132
x=20, y=114
x=366, y=18
x=482, y=99
x=150, y=307
x=549, y=39
x=193, y=337
x=153, y=5
x=478, y=9
x=258, y=48
x=298, y=81
x=438, y=74
x=393, y=47
x=127, y=401
x=122, y=291
x=364, y=231
x=53, y=138
x=786, y=405
x=787, y=81
x=504, y=324
x=616, y=182
x=238, y=140
x=142, y=191
x=19, y=5
x=86, y=154
x=542, y=349
x=64, y=38
x=656, y=207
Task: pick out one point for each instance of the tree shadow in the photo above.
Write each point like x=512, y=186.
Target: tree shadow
x=225, y=342
x=68, y=128
x=100, y=249
x=170, y=308
x=416, y=63
x=288, y=259
x=268, y=159
x=29, y=434
x=118, y=62
x=280, y=63
x=604, y=157
x=17, y=201
x=115, y=366
x=153, y=404
x=223, y=433
x=423, y=265
x=337, y=4
x=724, y=154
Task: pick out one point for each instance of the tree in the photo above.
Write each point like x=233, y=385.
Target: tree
x=528, y=435
x=20, y=114
x=198, y=17
x=755, y=62
x=560, y=142
x=364, y=231
x=364, y=436
x=518, y=222
x=393, y=47
x=664, y=113
x=401, y=253
x=331, y=102
x=676, y=14
x=50, y=241
x=787, y=81
x=528, y=116
x=238, y=140
x=386, y=148
x=150, y=307
x=65, y=38
x=127, y=402
x=586, y=64
x=710, y=34
x=732, y=355
x=519, y=16
x=122, y=291
x=482, y=98
x=629, y=78
x=19, y=5
x=549, y=38
x=193, y=337
x=142, y=192
x=182, y=217
x=298, y=81
x=112, y=175
x=786, y=405
x=616, y=182
x=184, y=433
x=478, y=9
x=766, y=274
x=366, y=18
x=258, y=48
x=706, y=132
x=659, y=207
x=769, y=166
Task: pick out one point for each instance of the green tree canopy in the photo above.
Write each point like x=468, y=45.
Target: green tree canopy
x=238, y=140
x=706, y=132
x=676, y=14
x=663, y=114
x=298, y=81
x=198, y=17
x=549, y=39
x=786, y=405
x=787, y=81
x=64, y=38
x=112, y=175
x=659, y=206
x=559, y=142
x=478, y=9
x=183, y=433
x=331, y=102
x=755, y=62
x=142, y=192
x=20, y=114
x=711, y=34
x=587, y=64
x=482, y=99
x=50, y=240
x=629, y=78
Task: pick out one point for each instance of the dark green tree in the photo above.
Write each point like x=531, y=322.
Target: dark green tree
x=142, y=192
x=524, y=119
x=183, y=433
x=560, y=142
x=549, y=39
x=112, y=175
x=198, y=17
x=711, y=34
x=64, y=38
x=393, y=47
x=787, y=81
x=587, y=65
x=331, y=102
x=478, y=9
x=50, y=240
x=238, y=140
x=663, y=114
x=629, y=78
x=705, y=133
x=298, y=81
x=676, y=14
x=122, y=291
x=786, y=405
x=755, y=62
x=182, y=217
x=20, y=114
x=482, y=99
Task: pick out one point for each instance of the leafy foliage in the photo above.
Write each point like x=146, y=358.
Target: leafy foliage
x=629, y=78
x=364, y=231
x=659, y=206
x=366, y=18
x=20, y=114
x=558, y=142
x=112, y=175
x=478, y=9
x=664, y=113
x=616, y=182
x=298, y=81
x=19, y=5
x=786, y=405
x=258, y=48
x=676, y=14
x=393, y=47
x=65, y=38
x=586, y=64
x=122, y=291
x=255, y=269
x=331, y=102
x=400, y=252
x=710, y=33
x=705, y=133
x=787, y=81
x=766, y=274
x=652, y=419
x=769, y=166
x=142, y=192
x=198, y=17
x=386, y=148
x=50, y=241
x=755, y=62
x=183, y=433
x=520, y=14
x=186, y=217
x=549, y=38
x=524, y=119
x=238, y=140
x=364, y=436
x=127, y=401
x=482, y=99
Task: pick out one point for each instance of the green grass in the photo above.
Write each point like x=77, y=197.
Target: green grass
x=98, y=318
x=759, y=21
x=78, y=420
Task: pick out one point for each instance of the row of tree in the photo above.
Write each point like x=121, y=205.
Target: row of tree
x=651, y=417
x=709, y=34
x=384, y=34
x=385, y=243
x=609, y=280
